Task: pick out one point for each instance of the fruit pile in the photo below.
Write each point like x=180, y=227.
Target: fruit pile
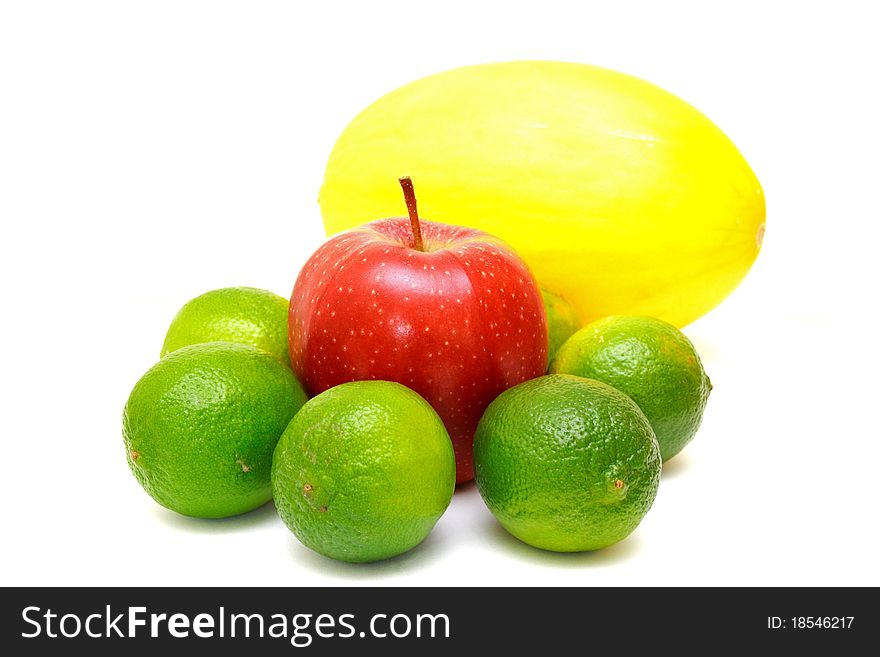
x=413, y=355
x=424, y=350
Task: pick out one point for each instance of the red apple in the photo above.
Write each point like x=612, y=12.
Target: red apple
x=451, y=312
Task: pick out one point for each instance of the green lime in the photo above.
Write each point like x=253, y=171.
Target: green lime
x=201, y=425
x=364, y=471
x=232, y=314
x=651, y=361
x=562, y=321
x=566, y=464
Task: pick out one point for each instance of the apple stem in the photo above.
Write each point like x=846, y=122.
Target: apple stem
x=409, y=194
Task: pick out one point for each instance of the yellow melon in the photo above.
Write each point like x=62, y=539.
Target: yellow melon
x=622, y=198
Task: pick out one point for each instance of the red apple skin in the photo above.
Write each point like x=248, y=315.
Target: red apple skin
x=459, y=322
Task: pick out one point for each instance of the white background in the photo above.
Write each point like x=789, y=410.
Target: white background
x=151, y=151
